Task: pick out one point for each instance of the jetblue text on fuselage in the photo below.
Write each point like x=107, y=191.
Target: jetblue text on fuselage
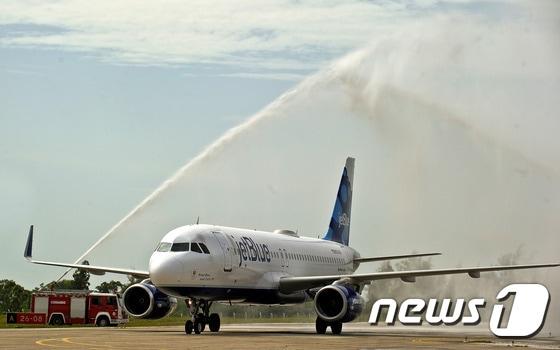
x=249, y=250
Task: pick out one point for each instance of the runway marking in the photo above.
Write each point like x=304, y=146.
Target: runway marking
x=43, y=341
x=125, y=345
x=68, y=343
x=249, y=338
x=67, y=340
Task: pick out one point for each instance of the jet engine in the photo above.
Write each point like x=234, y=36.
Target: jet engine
x=144, y=300
x=338, y=303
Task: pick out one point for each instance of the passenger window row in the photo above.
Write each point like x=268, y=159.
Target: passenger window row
x=308, y=257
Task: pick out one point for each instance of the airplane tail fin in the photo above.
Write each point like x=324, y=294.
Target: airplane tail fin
x=339, y=227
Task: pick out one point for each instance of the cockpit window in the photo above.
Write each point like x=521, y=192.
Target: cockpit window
x=183, y=247
x=195, y=248
x=164, y=247
x=204, y=248
x=180, y=247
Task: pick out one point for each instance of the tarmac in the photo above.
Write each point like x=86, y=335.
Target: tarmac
x=262, y=336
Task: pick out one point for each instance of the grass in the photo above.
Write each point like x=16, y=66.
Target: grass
x=176, y=320
x=179, y=320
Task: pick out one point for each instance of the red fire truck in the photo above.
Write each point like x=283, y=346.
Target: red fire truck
x=76, y=307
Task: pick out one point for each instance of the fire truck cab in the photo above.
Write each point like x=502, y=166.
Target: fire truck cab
x=79, y=307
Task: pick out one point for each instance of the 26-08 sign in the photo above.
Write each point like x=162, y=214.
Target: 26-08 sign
x=26, y=318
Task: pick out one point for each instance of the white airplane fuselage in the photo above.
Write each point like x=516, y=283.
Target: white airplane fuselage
x=243, y=265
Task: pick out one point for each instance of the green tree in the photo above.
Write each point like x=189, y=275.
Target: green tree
x=110, y=287
x=56, y=285
x=13, y=297
x=81, y=278
x=80, y=281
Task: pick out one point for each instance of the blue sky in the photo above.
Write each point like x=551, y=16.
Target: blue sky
x=101, y=101
x=83, y=141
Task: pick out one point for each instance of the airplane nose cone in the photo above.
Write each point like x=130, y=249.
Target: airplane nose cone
x=165, y=270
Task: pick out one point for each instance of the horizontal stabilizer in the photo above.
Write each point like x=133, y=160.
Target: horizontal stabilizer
x=392, y=257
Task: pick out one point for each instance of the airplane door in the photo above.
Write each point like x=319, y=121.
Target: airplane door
x=283, y=259
x=227, y=250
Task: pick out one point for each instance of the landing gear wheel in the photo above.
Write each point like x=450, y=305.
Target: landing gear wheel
x=198, y=326
x=189, y=326
x=214, y=322
x=336, y=327
x=202, y=320
x=320, y=325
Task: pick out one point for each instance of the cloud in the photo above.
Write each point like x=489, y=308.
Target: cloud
x=269, y=35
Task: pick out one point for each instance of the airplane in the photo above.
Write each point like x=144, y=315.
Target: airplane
x=203, y=264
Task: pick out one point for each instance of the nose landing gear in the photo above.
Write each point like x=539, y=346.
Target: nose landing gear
x=189, y=326
x=199, y=320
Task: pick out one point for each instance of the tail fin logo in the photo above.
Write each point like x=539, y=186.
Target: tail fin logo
x=339, y=225
x=343, y=220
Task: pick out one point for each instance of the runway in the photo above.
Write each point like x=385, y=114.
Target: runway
x=259, y=336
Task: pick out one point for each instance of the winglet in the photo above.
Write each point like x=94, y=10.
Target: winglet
x=28, y=252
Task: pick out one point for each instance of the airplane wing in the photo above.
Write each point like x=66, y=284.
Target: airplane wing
x=96, y=270
x=391, y=257
x=292, y=284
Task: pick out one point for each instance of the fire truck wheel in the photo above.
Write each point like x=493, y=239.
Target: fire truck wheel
x=57, y=320
x=214, y=322
x=102, y=321
x=189, y=327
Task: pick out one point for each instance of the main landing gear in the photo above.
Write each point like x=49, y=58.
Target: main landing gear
x=322, y=325
x=201, y=316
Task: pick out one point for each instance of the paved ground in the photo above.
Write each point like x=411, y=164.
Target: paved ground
x=259, y=336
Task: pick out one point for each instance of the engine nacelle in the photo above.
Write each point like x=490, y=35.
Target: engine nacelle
x=338, y=303
x=144, y=300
